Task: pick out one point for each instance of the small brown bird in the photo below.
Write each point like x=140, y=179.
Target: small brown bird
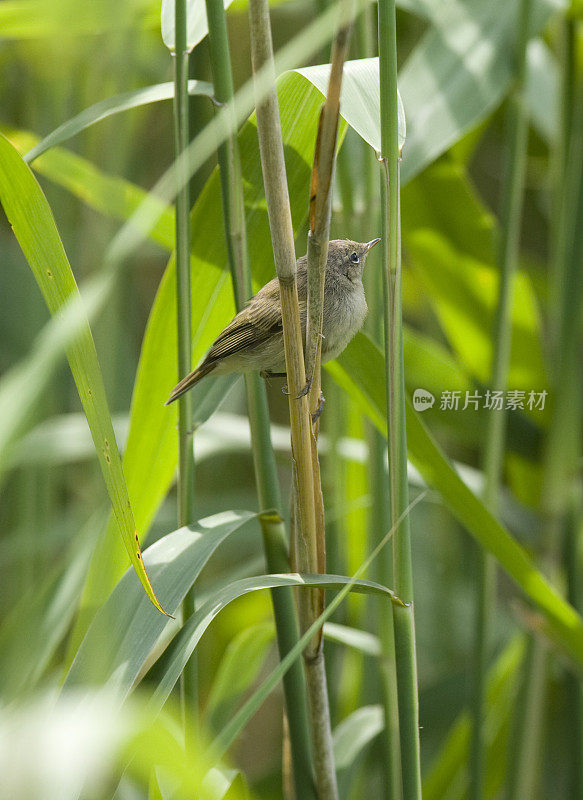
x=254, y=339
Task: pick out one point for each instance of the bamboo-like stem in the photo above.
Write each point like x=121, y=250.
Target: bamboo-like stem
x=559, y=163
x=306, y=546
x=562, y=451
x=272, y=526
x=320, y=204
x=380, y=512
x=317, y=250
x=404, y=624
x=510, y=221
x=380, y=520
x=276, y=191
x=320, y=208
x=189, y=681
x=573, y=561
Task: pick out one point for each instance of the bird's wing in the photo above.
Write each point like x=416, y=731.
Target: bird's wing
x=260, y=320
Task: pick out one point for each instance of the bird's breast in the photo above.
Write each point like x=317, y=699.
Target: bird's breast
x=344, y=314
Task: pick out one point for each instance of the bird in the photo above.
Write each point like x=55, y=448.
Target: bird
x=253, y=340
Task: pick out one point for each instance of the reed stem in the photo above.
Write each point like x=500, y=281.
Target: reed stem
x=278, y=207
x=562, y=449
x=510, y=222
x=403, y=617
x=186, y=515
x=272, y=525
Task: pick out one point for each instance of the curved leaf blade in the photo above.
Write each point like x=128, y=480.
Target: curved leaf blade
x=186, y=641
x=360, y=370
x=360, y=99
x=238, y=670
x=458, y=73
x=354, y=733
x=111, y=106
x=32, y=221
x=125, y=629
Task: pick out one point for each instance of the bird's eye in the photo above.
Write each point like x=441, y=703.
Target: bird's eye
x=354, y=258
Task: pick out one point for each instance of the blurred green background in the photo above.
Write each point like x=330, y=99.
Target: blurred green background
x=58, y=58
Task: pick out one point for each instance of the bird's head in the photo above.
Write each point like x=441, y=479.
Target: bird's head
x=348, y=257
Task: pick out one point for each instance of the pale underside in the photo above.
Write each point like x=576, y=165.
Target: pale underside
x=254, y=339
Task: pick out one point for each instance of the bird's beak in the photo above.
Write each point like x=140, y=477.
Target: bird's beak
x=371, y=244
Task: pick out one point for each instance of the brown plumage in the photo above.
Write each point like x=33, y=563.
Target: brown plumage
x=254, y=338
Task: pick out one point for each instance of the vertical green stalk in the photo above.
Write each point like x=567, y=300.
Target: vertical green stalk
x=573, y=561
x=380, y=522
x=404, y=623
x=510, y=220
x=272, y=525
x=183, y=318
x=559, y=164
x=380, y=513
x=562, y=450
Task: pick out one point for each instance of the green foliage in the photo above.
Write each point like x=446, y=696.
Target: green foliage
x=72, y=611
x=33, y=224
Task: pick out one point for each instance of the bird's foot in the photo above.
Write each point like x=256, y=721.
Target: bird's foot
x=306, y=389
x=316, y=414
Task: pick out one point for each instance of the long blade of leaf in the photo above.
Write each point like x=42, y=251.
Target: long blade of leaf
x=110, y=106
x=360, y=374
x=190, y=635
x=32, y=221
x=126, y=628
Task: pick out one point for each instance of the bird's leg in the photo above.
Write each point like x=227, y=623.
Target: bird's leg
x=267, y=375
x=318, y=411
x=306, y=389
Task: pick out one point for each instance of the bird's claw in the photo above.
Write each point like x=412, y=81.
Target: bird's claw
x=306, y=389
x=316, y=414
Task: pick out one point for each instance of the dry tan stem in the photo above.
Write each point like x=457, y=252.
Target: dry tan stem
x=276, y=191
x=320, y=203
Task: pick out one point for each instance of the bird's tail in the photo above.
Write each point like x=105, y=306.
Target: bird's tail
x=190, y=380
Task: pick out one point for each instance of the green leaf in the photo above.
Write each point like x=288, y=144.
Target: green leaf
x=448, y=774
x=542, y=89
x=22, y=387
x=196, y=23
x=363, y=641
x=126, y=628
x=458, y=73
x=442, y=198
x=32, y=222
x=354, y=733
x=237, y=671
x=185, y=642
x=35, y=626
x=360, y=99
x=360, y=372
x=110, y=106
x=464, y=293
x=112, y=196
